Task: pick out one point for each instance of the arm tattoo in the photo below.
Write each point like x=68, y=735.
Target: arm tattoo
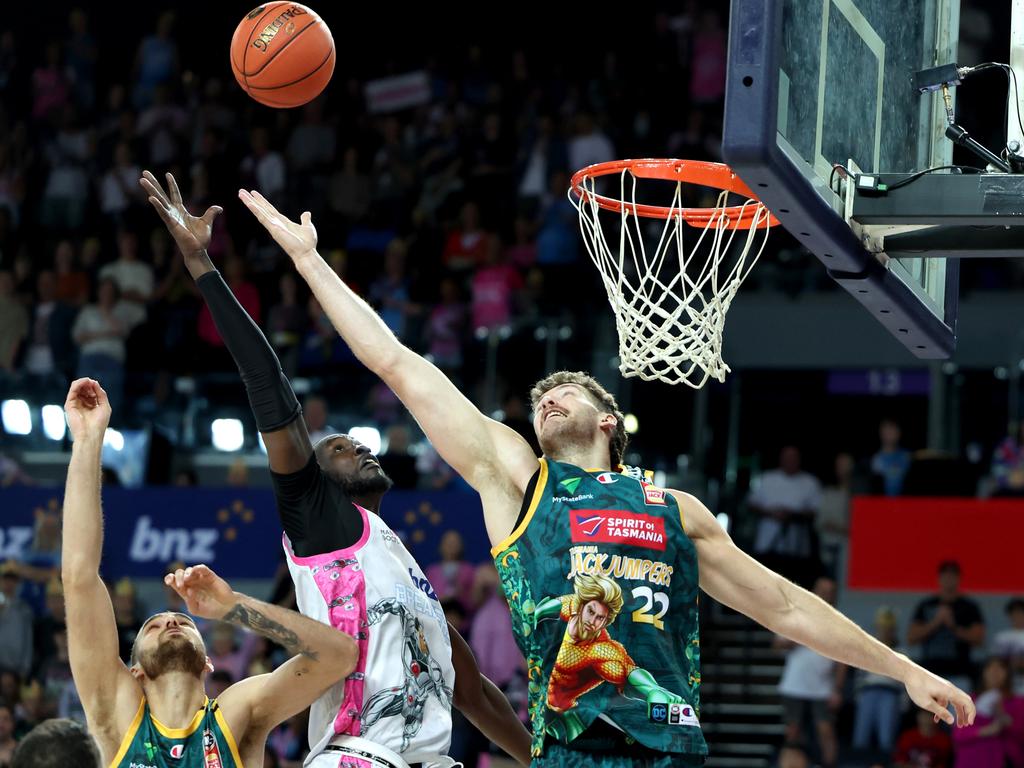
x=249, y=618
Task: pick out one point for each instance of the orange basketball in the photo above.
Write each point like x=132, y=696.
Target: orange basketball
x=282, y=54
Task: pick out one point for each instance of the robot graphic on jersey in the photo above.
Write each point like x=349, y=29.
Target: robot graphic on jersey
x=423, y=676
x=588, y=656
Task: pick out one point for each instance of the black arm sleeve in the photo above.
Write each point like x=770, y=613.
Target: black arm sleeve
x=316, y=513
x=270, y=393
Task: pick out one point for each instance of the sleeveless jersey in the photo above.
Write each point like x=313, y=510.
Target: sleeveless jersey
x=601, y=580
x=400, y=694
x=207, y=742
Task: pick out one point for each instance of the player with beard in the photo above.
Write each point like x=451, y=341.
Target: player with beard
x=578, y=511
x=345, y=561
x=155, y=713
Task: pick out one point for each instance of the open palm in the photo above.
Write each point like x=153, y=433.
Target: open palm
x=297, y=239
x=191, y=233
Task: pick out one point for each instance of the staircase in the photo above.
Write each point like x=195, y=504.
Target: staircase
x=740, y=711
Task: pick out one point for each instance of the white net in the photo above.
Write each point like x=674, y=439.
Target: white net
x=670, y=301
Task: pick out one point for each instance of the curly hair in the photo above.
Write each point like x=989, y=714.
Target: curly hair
x=600, y=588
x=601, y=398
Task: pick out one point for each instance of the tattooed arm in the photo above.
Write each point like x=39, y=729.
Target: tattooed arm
x=322, y=655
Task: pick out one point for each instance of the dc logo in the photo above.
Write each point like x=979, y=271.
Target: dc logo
x=658, y=713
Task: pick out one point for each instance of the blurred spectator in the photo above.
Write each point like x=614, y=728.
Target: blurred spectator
x=55, y=676
x=558, y=239
x=311, y=145
x=923, y=746
x=100, y=331
x=32, y=707
x=467, y=244
x=81, y=52
x=72, y=282
x=226, y=652
x=490, y=633
x=13, y=323
x=286, y=323
x=890, y=464
x=7, y=740
x=156, y=61
x=288, y=740
x=134, y=278
x=446, y=329
x=350, y=189
x=542, y=153
x=238, y=474
x=11, y=473
x=119, y=187
x=996, y=738
x=516, y=416
x=523, y=252
x=217, y=682
x=398, y=463
x=495, y=286
x=385, y=407
x=793, y=755
x=1009, y=643
x=879, y=697
x=389, y=294
x=589, y=145
x=786, y=501
x=47, y=626
x=57, y=743
x=15, y=623
x=50, y=350
x=453, y=576
x=50, y=88
x=315, y=411
x=834, y=515
x=947, y=627
x=811, y=688
x=66, y=194
x=263, y=168
x=40, y=562
x=1008, y=463
x=707, y=60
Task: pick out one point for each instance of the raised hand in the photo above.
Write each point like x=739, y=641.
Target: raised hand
x=205, y=593
x=297, y=240
x=87, y=409
x=191, y=233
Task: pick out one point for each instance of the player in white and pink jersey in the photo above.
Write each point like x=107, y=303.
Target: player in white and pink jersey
x=349, y=568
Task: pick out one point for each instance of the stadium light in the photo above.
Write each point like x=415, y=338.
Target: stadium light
x=16, y=417
x=368, y=436
x=113, y=439
x=227, y=434
x=54, y=426
x=631, y=423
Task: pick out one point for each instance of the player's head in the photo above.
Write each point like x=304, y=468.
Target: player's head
x=949, y=577
x=349, y=463
x=596, y=602
x=571, y=409
x=57, y=743
x=169, y=642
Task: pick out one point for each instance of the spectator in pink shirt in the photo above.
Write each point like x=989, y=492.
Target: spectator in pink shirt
x=453, y=576
x=490, y=634
x=997, y=736
x=495, y=287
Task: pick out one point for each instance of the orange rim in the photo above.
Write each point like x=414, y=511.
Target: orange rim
x=705, y=174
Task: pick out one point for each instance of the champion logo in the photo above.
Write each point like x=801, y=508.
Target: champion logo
x=177, y=751
x=607, y=478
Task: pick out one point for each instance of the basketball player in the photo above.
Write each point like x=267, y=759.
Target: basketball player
x=154, y=712
x=349, y=569
x=577, y=511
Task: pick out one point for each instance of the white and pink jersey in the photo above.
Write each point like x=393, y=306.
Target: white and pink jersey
x=400, y=695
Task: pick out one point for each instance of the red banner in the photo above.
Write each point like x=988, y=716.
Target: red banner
x=896, y=544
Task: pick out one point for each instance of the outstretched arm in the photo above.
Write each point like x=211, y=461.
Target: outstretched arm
x=109, y=694
x=735, y=579
x=492, y=458
x=323, y=655
x=484, y=705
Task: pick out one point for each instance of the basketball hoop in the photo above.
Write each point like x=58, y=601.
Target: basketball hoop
x=670, y=325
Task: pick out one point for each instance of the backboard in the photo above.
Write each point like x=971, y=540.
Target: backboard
x=814, y=83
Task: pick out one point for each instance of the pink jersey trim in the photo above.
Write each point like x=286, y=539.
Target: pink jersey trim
x=329, y=556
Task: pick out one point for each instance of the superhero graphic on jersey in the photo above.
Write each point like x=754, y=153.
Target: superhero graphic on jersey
x=423, y=676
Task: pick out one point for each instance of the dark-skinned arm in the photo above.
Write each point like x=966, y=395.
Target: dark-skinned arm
x=484, y=705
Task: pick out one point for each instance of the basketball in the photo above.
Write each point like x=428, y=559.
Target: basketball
x=282, y=54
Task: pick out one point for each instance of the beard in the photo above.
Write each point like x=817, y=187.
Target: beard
x=566, y=435
x=176, y=654
x=357, y=487
x=584, y=635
